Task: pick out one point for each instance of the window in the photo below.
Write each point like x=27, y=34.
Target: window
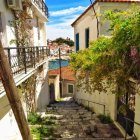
x=77, y=42
x=87, y=37
x=70, y=88
x=1, y=23
x=38, y=29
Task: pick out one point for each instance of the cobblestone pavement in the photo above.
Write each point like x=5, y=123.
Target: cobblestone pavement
x=74, y=122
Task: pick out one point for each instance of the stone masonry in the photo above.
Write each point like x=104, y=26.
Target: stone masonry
x=74, y=122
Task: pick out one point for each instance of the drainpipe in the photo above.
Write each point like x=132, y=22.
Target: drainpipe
x=96, y=18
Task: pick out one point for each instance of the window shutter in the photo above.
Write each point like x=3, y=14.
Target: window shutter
x=87, y=37
x=77, y=42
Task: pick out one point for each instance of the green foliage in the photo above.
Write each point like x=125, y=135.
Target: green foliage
x=39, y=128
x=66, y=41
x=122, y=110
x=47, y=121
x=111, y=59
x=42, y=132
x=34, y=118
x=105, y=119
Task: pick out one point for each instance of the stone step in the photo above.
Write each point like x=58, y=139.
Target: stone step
x=74, y=122
x=84, y=139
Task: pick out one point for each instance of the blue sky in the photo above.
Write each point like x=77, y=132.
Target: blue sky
x=62, y=14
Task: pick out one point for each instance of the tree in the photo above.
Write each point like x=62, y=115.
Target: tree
x=66, y=41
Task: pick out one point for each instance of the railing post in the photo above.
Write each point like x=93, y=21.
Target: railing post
x=37, y=53
x=24, y=60
x=9, y=56
x=125, y=129
x=43, y=52
x=34, y=56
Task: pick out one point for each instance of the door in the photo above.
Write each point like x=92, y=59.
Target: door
x=52, y=92
x=127, y=101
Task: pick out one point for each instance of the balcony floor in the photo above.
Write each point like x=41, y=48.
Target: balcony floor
x=21, y=77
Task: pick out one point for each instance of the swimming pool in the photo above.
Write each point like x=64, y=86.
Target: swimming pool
x=54, y=64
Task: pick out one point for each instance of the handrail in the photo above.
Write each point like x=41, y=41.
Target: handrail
x=42, y=5
x=94, y=103
x=131, y=121
x=22, y=58
x=128, y=126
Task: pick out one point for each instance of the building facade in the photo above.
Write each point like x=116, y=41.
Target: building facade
x=88, y=27
x=23, y=36
x=67, y=82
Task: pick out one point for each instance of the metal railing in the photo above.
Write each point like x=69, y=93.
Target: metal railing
x=42, y=6
x=91, y=102
x=22, y=58
x=127, y=126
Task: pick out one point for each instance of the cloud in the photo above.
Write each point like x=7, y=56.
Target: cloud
x=56, y=32
x=61, y=29
x=67, y=11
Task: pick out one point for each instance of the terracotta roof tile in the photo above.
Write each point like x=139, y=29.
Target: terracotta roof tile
x=66, y=72
x=122, y=1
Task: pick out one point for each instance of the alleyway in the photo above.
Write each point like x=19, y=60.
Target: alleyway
x=77, y=123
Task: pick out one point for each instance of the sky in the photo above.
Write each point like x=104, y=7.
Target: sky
x=62, y=14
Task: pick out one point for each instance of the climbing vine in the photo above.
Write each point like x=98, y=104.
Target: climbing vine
x=28, y=88
x=111, y=59
x=23, y=31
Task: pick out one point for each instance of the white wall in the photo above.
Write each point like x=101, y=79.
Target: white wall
x=108, y=99
x=8, y=126
x=57, y=88
x=8, y=31
x=42, y=89
x=88, y=20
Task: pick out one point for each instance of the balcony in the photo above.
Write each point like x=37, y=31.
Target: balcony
x=42, y=6
x=24, y=61
x=22, y=58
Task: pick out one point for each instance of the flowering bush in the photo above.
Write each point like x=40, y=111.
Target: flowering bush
x=113, y=59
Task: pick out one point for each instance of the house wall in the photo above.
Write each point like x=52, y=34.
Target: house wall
x=104, y=6
x=65, y=87
x=7, y=119
x=43, y=38
x=108, y=99
x=8, y=31
x=42, y=89
x=88, y=20
x=8, y=126
x=137, y=114
x=56, y=85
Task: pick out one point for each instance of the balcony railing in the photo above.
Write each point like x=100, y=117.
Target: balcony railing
x=23, y=58
x=42, y=6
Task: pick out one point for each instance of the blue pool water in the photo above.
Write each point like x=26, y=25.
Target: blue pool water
x=54, y=64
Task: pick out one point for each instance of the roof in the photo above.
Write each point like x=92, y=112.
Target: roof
x=121, y=1
x=66, y=73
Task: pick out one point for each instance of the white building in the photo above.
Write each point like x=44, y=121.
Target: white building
x=86, y=30
x=29, y=64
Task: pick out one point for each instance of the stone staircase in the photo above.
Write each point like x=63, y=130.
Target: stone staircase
x=74, y=122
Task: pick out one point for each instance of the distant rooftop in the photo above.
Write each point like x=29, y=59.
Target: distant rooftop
x=67, y=73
